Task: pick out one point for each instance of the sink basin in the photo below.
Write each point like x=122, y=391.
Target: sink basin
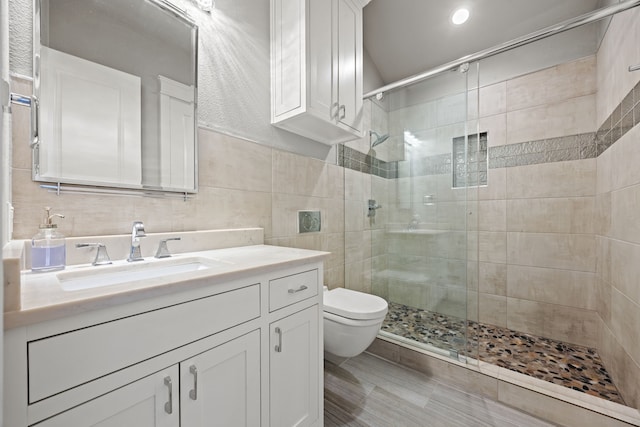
x=95, y=277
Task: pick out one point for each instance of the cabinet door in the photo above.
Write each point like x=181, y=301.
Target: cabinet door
x=221, y=387
x=294, y=371
x=349, y=63
x=287, y=57
x=149, y=402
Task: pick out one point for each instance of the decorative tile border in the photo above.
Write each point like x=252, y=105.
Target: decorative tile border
x=565, y=148
x=357, y=161
x=624, y=117
x=573, y=147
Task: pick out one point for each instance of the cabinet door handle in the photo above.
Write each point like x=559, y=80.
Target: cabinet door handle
x=193, y=394
x=278, y=347
x=168, y=406
x=342, y=108
x=331, y=114
x=300, y=289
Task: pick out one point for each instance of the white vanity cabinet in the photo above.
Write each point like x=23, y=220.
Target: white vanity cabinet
x=202, y=355
x=222, y=384
x=294, y=351
x=144, y=403
x=294, y=383
x=316, y=68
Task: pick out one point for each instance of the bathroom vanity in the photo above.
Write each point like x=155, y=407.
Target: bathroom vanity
x=236, y=339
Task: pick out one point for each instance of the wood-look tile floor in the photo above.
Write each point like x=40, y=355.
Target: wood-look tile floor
x=369, y=391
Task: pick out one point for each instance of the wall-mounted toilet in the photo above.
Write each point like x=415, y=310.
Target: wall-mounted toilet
x=352, y=320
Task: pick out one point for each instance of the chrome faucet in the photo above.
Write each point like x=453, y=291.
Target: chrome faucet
x=373, y=205
x=163, y=250
x=102, y=257
x=136, y=233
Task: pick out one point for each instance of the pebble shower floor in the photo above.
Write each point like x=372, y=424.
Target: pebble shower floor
x=569, y=365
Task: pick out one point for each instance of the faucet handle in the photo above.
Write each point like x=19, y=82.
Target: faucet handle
x=138, y=229
x=102, y=257
x=163, y=250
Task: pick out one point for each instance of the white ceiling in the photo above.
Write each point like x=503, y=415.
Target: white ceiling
x=407, y=37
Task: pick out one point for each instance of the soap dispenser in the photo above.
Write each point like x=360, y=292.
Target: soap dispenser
x=48, y=252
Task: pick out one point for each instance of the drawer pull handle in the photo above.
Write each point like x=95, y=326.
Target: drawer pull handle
x=300, y=289
x=168, y=406
x=193, y=394
x=278, y=347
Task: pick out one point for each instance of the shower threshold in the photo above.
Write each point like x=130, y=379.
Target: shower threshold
x=572, y=366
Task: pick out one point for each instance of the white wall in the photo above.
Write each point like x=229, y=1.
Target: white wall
x=4, y=117
x=370, y=74
x=233, y=73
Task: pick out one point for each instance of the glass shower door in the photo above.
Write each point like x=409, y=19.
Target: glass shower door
x=423, y=244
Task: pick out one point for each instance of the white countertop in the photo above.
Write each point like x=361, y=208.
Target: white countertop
x=42, y=297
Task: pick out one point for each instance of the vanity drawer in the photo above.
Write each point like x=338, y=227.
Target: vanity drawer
x=64, y=361
x=291, y=289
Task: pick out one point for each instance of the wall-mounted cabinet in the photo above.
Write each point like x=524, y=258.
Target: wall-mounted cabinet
x=316, y=68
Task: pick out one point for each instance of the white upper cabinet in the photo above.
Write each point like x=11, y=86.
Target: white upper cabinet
x=316, y=68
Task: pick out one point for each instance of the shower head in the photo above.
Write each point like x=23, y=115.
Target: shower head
x=379, y=138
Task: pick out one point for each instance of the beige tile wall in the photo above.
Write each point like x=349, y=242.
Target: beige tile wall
x=617, y=207
x=537, y=249
x=532, y=229
x=364, y=251
x=241, y=184
x=440, y=257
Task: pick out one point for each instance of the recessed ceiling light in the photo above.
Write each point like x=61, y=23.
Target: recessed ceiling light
x=460, y=16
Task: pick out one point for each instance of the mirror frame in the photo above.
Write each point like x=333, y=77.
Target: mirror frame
x=34, y=143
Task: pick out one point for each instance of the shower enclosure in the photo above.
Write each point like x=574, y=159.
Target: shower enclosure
x=487, y=207
x=424, y=237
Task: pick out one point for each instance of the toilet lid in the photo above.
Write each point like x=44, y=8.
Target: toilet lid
x=354, y=305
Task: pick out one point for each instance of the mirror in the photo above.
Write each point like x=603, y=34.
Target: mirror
x=115, y=94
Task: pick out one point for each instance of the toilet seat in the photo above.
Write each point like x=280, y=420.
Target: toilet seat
x=352, y=322
x=354, y=305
